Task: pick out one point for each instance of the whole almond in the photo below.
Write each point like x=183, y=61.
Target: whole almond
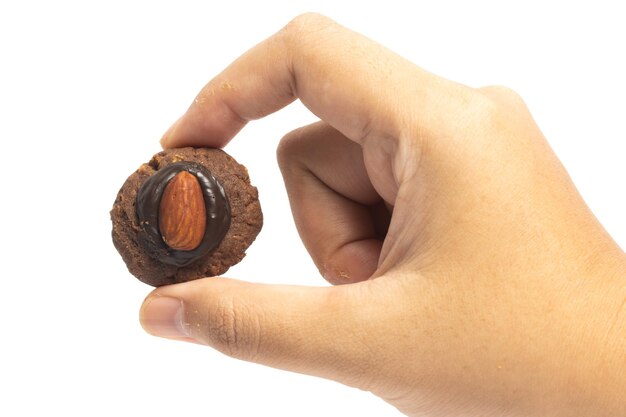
x=182, y=213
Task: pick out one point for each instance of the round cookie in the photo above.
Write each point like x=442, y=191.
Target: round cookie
x=179, y=230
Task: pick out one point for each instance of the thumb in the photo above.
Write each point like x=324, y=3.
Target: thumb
x=311, y=330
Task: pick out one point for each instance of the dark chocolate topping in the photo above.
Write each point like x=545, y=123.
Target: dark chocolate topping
x=149, y=200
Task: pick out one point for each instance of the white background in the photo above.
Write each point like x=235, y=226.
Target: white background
x=87, y=89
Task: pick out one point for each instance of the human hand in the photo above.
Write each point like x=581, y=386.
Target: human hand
x=477, y=280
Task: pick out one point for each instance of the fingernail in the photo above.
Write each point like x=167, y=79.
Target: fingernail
x=163, y=316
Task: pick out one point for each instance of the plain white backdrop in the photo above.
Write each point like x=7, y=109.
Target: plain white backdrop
x=86, y=90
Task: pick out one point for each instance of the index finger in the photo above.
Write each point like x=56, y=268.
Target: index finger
x=347, y=80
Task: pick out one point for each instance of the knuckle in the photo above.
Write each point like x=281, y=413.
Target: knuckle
x=304, y=26
x=493, y=108
x=307, y=22
x=289, y=148
x=503, y=97
x=285, y=148
x=233, y=331
x=498, y=90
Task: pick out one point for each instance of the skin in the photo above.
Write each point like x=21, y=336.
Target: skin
x=476, y=279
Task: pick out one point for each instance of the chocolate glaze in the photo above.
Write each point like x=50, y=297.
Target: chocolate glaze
x=149, y=200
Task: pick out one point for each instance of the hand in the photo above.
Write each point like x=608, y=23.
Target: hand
x=478, y=281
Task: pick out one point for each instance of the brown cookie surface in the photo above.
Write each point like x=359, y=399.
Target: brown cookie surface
x=140, y=240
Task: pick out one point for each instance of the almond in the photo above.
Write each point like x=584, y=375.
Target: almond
x=182, y=213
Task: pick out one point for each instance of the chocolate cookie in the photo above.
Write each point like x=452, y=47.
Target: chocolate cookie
x=187, y=214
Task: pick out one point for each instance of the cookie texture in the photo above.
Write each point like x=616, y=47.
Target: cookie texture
x=246, y=218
